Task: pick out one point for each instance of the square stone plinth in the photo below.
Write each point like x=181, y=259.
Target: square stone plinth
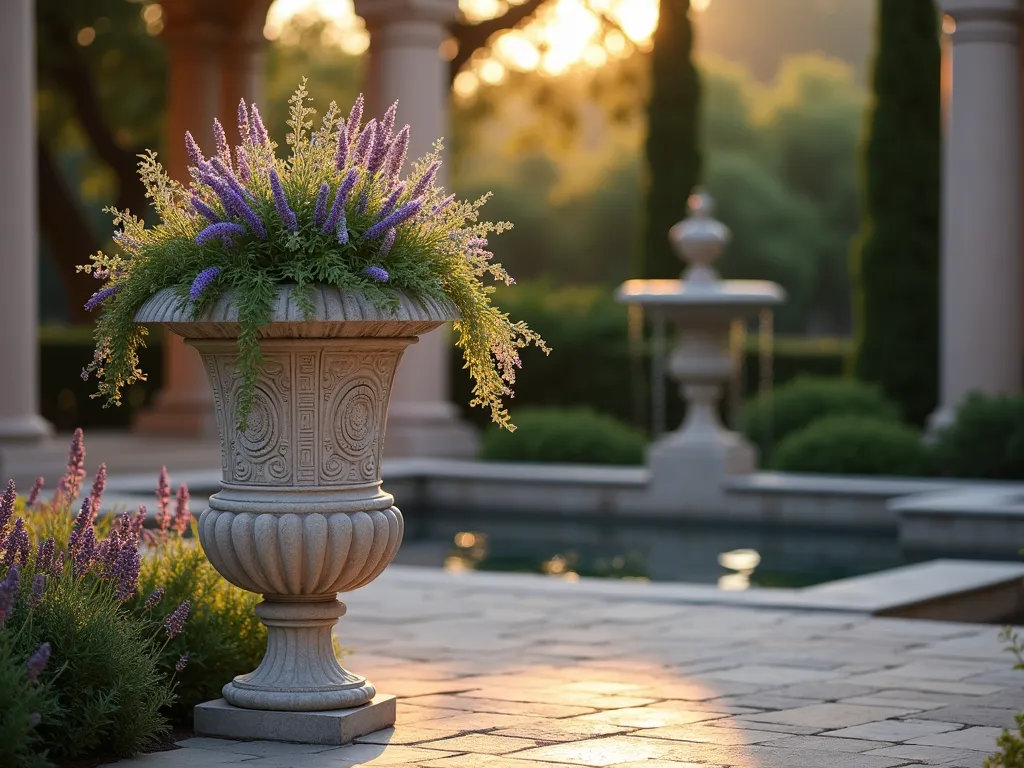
x=337, y=726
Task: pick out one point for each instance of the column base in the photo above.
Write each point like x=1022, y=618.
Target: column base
x=27, y=428
x=333, y=727
x=180, y=420
x=431, y=430
x=687, y=475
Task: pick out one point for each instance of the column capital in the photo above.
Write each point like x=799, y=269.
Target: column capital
x=380, y=12
x=985, y=21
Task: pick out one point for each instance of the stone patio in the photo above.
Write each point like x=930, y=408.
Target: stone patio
x=502, y=671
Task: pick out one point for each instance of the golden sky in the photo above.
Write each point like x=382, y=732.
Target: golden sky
x=566, y=33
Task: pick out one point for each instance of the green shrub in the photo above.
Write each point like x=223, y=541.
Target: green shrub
x=769, y=418
x=1010, y=742
x=23, y=705
x=225, y=637
x=985, y=441
x=565, y=435
x=854, y=445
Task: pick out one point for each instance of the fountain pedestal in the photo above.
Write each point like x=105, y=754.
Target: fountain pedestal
x=688, y=466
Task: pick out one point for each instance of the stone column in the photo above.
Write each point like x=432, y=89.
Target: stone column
x=215, y=57
x=19, y=385
x=405, y=64
x=981, y=208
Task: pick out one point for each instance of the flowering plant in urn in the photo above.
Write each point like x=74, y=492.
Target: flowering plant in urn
x=300, y=282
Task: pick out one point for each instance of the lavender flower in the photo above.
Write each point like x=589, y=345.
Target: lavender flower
x=341, y=152
x=101, y=296
x=7, y=505
x=393, y=219
x=182, y=514
x=38, y=587
x=138, y=522
x=99, y=484
x=125, y=572
x=58, y=562
x=257, y=132
x=163, y=500
x=234, y=203
x=221, y=140
x=195, y=155
x=181, y=663
x=225, y=231
x=84, y=374
x=320, y=212
x=223, y=170
x=377, y=273
x=37, y=662
x=426, y=179
x=338, y=206
x=281, y=202
x=175, y=623
x=8, y=594
x=442, y=205
x=355, y=117
x=85, y=553
x=363, y=202
x=388, y=242
x=381, y=138
x=17, y=546
x=395, y=159
x=364, y=146
x=154, y=598
x=342, y=229
x=71, y=483
x=243, y=120
x=242, y=161
x=391, y=202
x=44, y=556
x=204, y=210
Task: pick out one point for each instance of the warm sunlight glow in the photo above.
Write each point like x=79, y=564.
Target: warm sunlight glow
x=343, y=28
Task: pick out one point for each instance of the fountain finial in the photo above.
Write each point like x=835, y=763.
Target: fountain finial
x=699, y=239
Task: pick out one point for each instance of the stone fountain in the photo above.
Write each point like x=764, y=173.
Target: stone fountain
x=688, y=466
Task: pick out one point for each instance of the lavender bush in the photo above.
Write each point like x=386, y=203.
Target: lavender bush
x=334, y=212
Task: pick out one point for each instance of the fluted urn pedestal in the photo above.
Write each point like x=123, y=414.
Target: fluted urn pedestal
x=301, y=515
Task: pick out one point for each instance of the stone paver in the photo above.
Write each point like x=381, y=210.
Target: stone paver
x=500, y=679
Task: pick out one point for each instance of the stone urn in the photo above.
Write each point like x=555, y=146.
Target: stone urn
x=300, y=515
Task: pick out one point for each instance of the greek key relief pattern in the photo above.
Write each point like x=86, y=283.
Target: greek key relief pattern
x=355, y=389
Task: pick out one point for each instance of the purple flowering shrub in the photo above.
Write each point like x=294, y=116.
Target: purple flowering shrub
x=335, y=211
x=69, y=610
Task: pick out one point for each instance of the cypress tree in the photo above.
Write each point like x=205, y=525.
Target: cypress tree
x=673, y=161
x=896, y=259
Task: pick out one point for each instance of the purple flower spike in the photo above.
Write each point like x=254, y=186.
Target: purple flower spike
x=126, y=572
x=163, y=500
x=37, y=663
x=281, y=202
x=86, y=551
x=99, y=484
x=391, y=202
x=320, y=212
x=363, y=203
x=203, y=280
x=195, y=155
x=7, y=505
x=221, y=140
x=243, y=120
x=101, y=296
x=8, y=593
x=377, y=273
x=381, y=139
x=338, y=206
x=181, y=663
x=341, y=153
x=154, y=598
x=442, y=205
x=257, y=131
x=182, y=514
x=225, y=231
x=365, y=144
x=17, y=546
x=38, y=587
x=224, y=171
x=388, y=243
x=405, y=212
x=426, y=179
x=71, y=483
x=395, y=159
x=175, y=623
x=44, y=556
x=234, y=203
x=342, y=229
x=204, y=210
x=244, y=173
x=33, y=495
x=355, y=117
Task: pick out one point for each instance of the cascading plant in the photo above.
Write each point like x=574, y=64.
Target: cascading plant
x=335, y=212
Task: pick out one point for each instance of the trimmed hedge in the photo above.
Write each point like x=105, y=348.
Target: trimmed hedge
x=769, y=420
x=854, y=445
x=567, y=436
x=986, y=441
